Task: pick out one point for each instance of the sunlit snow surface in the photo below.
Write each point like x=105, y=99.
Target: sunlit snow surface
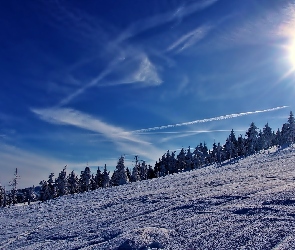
x=245, y=205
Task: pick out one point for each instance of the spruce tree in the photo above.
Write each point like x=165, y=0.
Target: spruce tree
x=119, y=176
x=2, y=194
x=135, y=175
x=85, y=180
x=62, y=183
x=98, y=178
x=251, y=141
x=290, y=129
x=181, y=159
x=188, y=160
x=105, y=177
x=52, y=186
x=267, y=136
x=73, y=183
x=162, y=166
x=45, y=191
x=143, y=171
x=151, y=173
x=13, y=184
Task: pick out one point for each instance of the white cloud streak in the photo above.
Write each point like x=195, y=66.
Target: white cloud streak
x=190, y=39
x=125, y=141
x=146, y=74
x=158, y=20
x=90, y=84
x=218, y=118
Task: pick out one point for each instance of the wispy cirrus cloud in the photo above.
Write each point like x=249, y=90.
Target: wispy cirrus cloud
x=146, y=73
x=120, y=52
x=189, y=39
x=160, y=19
x=124, y=140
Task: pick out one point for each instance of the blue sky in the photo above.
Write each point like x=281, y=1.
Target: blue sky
x=82, y=80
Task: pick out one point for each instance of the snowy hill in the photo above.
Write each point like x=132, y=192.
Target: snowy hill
x=246, y=205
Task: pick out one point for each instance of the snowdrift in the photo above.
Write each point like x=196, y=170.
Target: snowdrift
x=249, y=204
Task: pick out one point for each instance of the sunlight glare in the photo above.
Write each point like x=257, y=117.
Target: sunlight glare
x=292, y=53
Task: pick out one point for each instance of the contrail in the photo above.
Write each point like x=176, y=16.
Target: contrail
x=218, y=118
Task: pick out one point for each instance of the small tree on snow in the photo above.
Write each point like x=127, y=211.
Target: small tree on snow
x=105, y=182
x=13, y=185
x=52, y=186
x=73, y=183
x=98, y=178
x=2, y=195
x=62, y=183
x=135, y=176
x=290, y=129
x=45, y=192
x=85, y=179
x=119, y=176
x=252, y=137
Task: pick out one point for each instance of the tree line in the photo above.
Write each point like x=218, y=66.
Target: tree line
x=188, y=159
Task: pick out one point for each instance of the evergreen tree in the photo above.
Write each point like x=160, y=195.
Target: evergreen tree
x=30, y=195
x=93, y=184
x=200, y=154
x=157, y=168
x=2, y=194
x=52, y=186
x=162, y=166
x=234, y=144
x=205, y=153
x=45, y=191
x=105, y=182
x=62, y=183
x=276, y=138
x=189, y=160
x=73, y=183
x=151, y=173
x=128, y=174
x=290, y=129
x=219, y=153
x=143, y=171
x=168, y=163
x=181, y=160
x=119, y=176
x=98, y=178
x=214, y=152
x=260, y=141
x=13, y=184
x=85, y=180
x=251, y=141
x=268, y=136
x=241, y=147
x=135, y=176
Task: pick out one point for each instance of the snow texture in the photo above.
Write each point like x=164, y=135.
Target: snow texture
x=248, y=204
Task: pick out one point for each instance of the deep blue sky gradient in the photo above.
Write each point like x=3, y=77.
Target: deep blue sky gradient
x=78, y=76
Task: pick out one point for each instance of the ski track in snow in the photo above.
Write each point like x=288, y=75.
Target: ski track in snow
x=249, y=204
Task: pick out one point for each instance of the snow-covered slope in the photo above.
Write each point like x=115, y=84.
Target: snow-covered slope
x=246, y=205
